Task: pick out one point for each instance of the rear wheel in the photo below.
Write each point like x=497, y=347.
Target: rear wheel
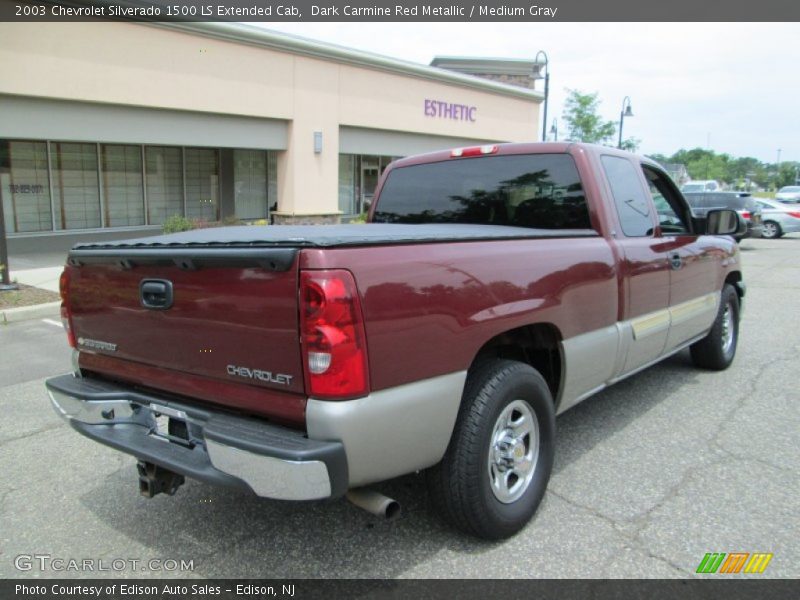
x=717, y=350
x=771, y=230
x=496, y=468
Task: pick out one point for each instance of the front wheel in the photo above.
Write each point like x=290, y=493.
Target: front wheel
x=717, y=349
x=497, y=465
x=771, y=230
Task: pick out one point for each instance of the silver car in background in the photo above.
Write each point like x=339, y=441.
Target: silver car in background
x=742, y=202
x=778, y=218
x=788, y=193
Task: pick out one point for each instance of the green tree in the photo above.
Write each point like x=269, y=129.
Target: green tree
x=583, y=122
x=702, y=163
x=631, y=144
x=786, y=174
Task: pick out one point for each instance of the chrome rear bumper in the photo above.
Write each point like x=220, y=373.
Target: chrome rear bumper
x=216, y=447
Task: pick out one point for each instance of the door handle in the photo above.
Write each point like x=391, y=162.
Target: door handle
x=675, y=261
x=156, y=293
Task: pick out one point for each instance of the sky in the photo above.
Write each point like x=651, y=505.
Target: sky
x=731, y=87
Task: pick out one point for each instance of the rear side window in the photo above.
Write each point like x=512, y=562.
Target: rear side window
x=630, y=198
x=530, y=190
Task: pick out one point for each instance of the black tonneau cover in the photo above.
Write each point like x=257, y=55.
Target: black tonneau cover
x=275, y=247
x=328, y=236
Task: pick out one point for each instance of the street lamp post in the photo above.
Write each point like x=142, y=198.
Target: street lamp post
x=625, y=112
x=537, y=74
x=554, y=129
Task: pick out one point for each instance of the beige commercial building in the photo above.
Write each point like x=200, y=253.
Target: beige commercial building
x=107, y=129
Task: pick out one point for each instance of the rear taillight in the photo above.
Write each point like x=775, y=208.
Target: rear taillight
x=745, y=214
x=796, y=215
x=66, y=317
x=333, y=338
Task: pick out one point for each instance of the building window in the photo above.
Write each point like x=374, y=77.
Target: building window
x=123, y=189
x=164, y=176
x=347, y=184
x=76, y=192
x=250, y=184
x=358, y=179
x=70, y=186
x=202, y=183
x=25, y=186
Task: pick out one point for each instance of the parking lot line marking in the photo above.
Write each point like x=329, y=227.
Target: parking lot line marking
x=51, y=322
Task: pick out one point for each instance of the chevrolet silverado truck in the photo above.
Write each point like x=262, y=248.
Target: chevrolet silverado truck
x=492, y=288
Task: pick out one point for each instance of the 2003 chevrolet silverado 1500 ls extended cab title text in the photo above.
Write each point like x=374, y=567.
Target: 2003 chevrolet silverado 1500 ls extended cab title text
x=492, y=288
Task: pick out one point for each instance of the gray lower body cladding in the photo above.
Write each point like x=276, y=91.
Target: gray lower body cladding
x=349, y=443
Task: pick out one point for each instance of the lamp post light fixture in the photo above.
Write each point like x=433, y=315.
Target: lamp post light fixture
x=625, y=112
x=538, y=67
x=554, y=129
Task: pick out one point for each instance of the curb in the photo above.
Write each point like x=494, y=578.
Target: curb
x=24, y=313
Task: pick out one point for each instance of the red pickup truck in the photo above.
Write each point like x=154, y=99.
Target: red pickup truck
x=493, y=288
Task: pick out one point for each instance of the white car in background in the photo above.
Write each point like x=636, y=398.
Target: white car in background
x=788, y=193
x=710, y=185
x=778, y=218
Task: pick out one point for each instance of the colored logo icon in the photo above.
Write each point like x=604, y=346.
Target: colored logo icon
x=734, y=562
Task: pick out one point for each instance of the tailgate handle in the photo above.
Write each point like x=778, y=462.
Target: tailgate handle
x=156, y=293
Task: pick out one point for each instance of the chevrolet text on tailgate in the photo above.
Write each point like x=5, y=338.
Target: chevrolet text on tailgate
x=493, y=288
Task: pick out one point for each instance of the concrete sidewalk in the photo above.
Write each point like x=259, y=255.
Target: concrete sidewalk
x=45, y=278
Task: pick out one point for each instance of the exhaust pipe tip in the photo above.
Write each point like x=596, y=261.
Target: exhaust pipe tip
x=376, y=503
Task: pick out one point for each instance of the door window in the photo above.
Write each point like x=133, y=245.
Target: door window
x=669, y=209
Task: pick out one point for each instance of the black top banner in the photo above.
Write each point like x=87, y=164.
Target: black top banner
x=401, y=10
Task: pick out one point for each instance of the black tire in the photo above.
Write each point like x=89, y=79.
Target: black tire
x=774, y=233
x=460, y=485
x=715, y=351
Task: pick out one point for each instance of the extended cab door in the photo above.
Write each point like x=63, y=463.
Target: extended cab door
x=694, y=262
x=644, y=269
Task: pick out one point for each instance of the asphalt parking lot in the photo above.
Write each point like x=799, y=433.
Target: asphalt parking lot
x=650, y=475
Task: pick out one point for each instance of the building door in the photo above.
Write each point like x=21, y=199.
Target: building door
x=370, y=172
x=250, y=185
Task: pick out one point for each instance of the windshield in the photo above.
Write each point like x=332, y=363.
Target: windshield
x=537, y=190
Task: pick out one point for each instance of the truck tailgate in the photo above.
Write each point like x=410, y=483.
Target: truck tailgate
x=232, y=318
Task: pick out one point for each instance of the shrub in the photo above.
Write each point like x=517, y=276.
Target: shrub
x=231, y=220
x=177, y=223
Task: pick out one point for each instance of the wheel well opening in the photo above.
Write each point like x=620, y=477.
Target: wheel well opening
x=536, y=345
x=734, y=278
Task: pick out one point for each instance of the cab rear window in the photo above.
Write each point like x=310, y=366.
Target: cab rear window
x=531, y=190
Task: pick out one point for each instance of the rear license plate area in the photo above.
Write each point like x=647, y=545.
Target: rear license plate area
x=171, y=429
